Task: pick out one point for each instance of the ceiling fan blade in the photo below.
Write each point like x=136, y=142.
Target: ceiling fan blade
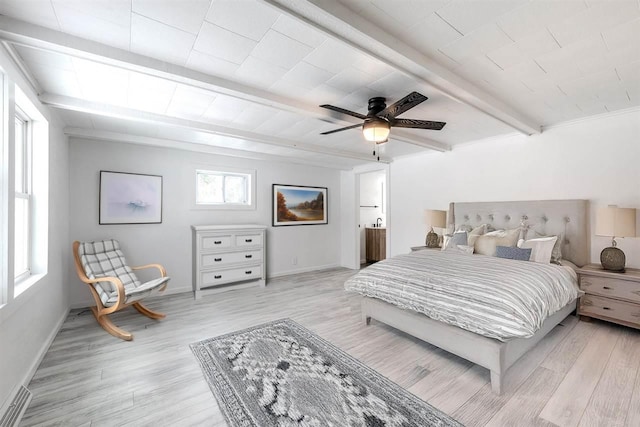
x=417, y=124
x=343, y=111
x=399, y=107
x=341, y=129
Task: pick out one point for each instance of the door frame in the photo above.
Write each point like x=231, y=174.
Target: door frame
x=357, y=171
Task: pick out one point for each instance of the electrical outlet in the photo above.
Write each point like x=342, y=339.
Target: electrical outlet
x=294, y=260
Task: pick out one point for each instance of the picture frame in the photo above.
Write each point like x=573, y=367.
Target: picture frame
x=130, y=198
x=299, y=205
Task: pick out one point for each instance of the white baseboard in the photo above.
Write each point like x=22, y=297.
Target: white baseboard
x=170, y=291
x=189, y=288
x=301, y=270
x=36, y=363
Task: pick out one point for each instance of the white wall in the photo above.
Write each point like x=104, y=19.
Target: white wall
x=169, y=243
x=349, y=218
x=596, y=159
x=29, y=323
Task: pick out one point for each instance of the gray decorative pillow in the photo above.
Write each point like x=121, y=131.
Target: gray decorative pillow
x=455, y=239
x=511, y=252
x=459, y=238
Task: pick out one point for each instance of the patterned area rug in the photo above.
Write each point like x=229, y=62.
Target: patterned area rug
x=281, y=374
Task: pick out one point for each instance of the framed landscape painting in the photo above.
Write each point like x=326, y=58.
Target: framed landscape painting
x=130, y=198
x=299, y=205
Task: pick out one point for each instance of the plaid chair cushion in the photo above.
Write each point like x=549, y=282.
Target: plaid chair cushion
x=105, y=259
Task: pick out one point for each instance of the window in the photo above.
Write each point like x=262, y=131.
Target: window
x=23, y=196
x=224, y=189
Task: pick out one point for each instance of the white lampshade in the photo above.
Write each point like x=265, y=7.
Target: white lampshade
x=376, y=130
x=435, y=218
x=613, y=221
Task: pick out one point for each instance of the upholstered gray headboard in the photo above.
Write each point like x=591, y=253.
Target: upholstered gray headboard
x=567, y=217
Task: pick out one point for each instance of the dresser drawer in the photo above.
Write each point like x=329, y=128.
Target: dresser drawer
x=215, y=277
x=610, y=287
x=249, y=240
x=600, y=306
x=208, y=242
x=227, y=257
x=213, y=260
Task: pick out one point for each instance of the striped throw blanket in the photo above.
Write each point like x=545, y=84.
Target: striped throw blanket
x=494, y=297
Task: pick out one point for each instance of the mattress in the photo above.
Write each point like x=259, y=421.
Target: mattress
x=494, y=297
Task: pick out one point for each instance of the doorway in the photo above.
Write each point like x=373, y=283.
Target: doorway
x=372, y=216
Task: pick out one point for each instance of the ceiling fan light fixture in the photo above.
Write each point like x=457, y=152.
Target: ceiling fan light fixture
x=376, y=130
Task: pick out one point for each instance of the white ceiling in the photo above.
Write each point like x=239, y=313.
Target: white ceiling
x=246, y=77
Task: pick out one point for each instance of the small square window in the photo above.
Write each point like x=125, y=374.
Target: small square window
x=224, y=189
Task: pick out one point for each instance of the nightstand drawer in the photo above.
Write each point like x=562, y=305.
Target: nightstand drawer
x=614, y=309
x=610, y=287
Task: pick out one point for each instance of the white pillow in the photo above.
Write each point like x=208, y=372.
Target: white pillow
x=556, y=255
x=459, y=248
x=480, y=230
x=465, y=248
x=475, y=233
x=541, y=248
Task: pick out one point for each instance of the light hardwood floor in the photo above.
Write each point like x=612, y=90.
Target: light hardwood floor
x=582, y=374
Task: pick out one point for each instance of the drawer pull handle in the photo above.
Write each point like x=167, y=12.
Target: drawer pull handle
x=248, y=240
x=606, y=287
x=248, y=272
x=606, y=308
x=248, y=256
x=217, y=242
x=217, y=259
x=218, y=276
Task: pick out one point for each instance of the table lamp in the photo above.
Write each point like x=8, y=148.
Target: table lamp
x=434, y=218
x=612, y=221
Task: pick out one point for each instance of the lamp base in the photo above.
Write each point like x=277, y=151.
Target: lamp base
x=612, y=259
x=432, y=240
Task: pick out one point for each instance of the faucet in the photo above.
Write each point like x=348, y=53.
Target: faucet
x=378, y=222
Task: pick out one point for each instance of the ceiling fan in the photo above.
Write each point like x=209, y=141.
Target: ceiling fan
x=380, y=118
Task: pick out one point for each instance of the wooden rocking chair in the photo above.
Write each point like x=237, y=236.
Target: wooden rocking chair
x=114, y=286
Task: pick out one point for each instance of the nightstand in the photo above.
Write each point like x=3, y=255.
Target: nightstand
x=422, y=248
x=610, y=296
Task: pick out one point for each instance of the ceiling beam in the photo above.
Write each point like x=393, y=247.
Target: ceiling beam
x=24, y=34
x=101, y=135
x=80, y=105
x=339, y=22
x=15, y=57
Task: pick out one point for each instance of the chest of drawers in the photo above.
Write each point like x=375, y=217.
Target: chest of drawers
x=227, y=257
x=610, y=296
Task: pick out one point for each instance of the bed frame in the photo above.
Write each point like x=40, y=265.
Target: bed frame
x=568, y=218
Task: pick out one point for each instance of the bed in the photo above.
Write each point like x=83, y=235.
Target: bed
x=495, y=347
